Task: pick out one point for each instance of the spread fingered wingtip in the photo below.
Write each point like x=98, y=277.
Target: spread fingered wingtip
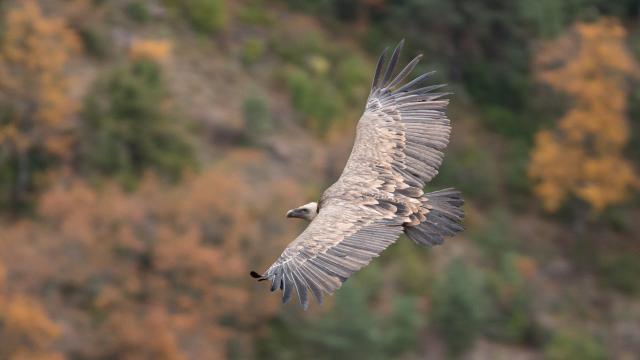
x=255, y=275
x=376, y=77
x=387, y=81
x=392, y=62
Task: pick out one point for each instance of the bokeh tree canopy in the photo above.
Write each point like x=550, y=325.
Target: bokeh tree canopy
x=36, y=106
x=585, y=156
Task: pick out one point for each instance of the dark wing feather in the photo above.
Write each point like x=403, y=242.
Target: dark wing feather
x=393, y=61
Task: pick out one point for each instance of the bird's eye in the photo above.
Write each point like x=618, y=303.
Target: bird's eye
x=305, y=210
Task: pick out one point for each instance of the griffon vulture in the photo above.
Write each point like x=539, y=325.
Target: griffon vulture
x=398, y=148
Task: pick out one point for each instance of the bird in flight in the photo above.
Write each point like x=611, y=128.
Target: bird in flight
x=398, y=148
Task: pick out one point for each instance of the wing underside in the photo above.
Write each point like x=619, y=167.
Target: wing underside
x=342, y=239
x=397, y=150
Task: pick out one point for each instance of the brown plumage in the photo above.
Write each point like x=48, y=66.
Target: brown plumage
x=397, y=150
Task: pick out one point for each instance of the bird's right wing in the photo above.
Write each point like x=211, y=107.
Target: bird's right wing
x=342, y=239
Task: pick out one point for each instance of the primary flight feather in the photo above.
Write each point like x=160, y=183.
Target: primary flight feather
x=397, y=150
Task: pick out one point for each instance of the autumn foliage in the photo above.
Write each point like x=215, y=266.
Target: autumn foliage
x=147, y=49
x=161, y=273
x=26, y=332
x=583, y=157
x=36, y=107
x=150, y=149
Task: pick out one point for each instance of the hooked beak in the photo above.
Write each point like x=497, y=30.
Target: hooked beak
x=295, y=213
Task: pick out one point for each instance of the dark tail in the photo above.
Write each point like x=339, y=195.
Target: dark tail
x=444, y=218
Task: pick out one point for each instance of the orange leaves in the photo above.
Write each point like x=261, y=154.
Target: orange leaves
x=29, y=32
x=154, y=50
x=584, y=155
x=146, y=335
x=25, y=330
x=159, y=272
x=554, y=166
x=36, y=106
x=608, y=179
x=589, y=60
x=23, y=316
x=34, y=53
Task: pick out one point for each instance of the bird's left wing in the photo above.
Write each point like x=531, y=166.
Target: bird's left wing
x=341, y=240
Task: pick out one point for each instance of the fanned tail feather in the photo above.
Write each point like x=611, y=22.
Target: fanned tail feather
x=444, y=218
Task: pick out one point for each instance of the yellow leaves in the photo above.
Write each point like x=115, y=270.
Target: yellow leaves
x=34, y=53
x=553, y=167
x=154, y=50
x=606, y=129
x=592, y=59
x=584, y=155
x=606, y=181
x=36, y=42
x=561, y=169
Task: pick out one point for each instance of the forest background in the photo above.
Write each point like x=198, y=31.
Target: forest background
x=149, y=150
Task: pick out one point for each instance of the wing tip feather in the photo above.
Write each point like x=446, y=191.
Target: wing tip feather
x=257, y=276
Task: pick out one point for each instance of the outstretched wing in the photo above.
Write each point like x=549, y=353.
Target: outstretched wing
x=342, y=239
x=398, y=148
x=400, y=137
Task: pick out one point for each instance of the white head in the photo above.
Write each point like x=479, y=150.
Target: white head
x=307, y=211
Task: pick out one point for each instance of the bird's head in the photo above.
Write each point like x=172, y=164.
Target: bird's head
x=307, y=211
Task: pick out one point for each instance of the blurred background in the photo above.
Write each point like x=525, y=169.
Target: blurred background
x=149, y=150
